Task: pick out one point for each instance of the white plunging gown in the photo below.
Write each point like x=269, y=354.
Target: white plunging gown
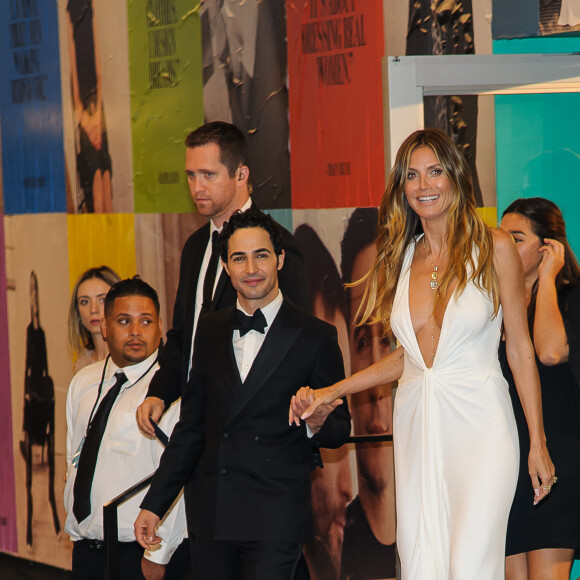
x=455, y=443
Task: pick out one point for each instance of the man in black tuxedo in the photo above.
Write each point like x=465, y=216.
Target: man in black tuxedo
x=246, y=470
x=219, y=182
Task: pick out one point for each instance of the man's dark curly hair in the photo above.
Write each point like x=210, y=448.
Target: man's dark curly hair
x=251, y=218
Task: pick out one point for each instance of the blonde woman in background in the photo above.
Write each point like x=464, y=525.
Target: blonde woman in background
x=85, y=314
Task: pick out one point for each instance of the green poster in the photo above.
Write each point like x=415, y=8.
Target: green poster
x=166, y=99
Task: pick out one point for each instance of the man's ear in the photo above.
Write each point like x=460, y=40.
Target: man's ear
x=104, y=327
x=281, y=260
x=225, y=266
x=243, y=174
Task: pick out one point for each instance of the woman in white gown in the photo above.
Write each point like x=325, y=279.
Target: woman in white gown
x=442, y=281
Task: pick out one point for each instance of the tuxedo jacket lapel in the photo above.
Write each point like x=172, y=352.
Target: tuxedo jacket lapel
x=226, y=369
x=219, y=289
x=195, y=269
x=277, y=343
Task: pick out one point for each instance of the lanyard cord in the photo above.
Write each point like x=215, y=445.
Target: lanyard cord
x=103, y=380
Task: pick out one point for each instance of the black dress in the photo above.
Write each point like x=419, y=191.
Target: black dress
x=554, y=522
x=38, y=388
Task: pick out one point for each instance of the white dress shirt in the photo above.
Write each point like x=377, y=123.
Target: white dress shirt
x=201, y=278
x=247, y=347
x=125, y=457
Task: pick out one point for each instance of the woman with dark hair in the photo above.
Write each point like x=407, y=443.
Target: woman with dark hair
x=541, y=539
x=442, y=281
x=85, y=313
x=38, y=423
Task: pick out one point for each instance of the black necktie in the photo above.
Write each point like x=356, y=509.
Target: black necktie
x=209, y=280
x=90, y=452
x=245, y=323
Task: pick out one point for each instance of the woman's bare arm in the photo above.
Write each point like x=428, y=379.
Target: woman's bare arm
x=386, y=370
x=550, y=340
x=520, y=354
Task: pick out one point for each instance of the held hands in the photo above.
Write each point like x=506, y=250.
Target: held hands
x=151, y=407
x=145, y=525
x=542, y=472
x=552, y=259
x=313, y=405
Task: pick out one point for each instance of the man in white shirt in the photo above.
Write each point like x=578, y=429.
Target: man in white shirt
x=106, y=452
x=246, y=470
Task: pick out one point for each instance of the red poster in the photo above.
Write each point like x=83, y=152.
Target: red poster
x=335, y=49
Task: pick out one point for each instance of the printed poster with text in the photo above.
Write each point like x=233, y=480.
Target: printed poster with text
x=335, y=49
x=30, y=108
x=166, y=99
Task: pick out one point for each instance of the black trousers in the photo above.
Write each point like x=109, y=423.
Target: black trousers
x=212, y=560
x=88, y=561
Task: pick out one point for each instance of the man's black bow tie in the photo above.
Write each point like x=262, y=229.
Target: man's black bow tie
x=246, y=323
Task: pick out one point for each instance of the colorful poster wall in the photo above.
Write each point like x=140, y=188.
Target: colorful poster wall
x=166, y=99
x=334, y=52
x=104, y=140
x=40, y=370
x=95, y=240
x=96, y=106
x=244, y=82
x=30, y=108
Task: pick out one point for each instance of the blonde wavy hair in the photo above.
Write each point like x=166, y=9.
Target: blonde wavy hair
x=79, y=337
x=400, y=226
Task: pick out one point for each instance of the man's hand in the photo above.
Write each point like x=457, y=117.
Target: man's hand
x=152, y=570
x=145, y=526
x=302, y=401
x=151, y=407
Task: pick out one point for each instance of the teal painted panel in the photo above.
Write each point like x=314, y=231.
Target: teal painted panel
x=538, y=153
x=543, y=45
x=538, y=140
x=282, y=216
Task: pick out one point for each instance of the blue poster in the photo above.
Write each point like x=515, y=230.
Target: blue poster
x=30, y=108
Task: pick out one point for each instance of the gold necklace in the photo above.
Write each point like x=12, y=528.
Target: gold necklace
x=434, y=282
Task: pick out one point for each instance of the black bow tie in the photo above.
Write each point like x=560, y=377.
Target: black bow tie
x=246, y=323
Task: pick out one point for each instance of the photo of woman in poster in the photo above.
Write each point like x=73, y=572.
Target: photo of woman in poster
x=38, y=424
x=93, y=160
